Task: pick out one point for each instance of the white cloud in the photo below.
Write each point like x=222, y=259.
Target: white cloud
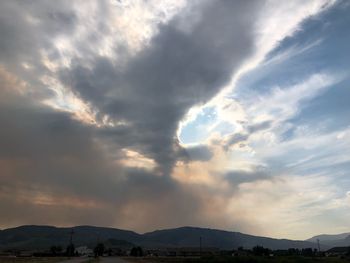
x=277, y=21
x=283, y=103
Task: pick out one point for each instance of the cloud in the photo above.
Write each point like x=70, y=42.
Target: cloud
x=177, y=70
x=92, y=96
x=55, y=161
x=198, y=153
x=238, y=177
x=287, y=204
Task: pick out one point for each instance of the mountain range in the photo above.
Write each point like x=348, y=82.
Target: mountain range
x=339, y=240
x=31, y=237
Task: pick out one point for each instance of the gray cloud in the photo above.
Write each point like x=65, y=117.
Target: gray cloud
x=198, y=153
x=51, y=162
x=235, y=178
x=236, y=138
x=175, y=72
x=241, y=137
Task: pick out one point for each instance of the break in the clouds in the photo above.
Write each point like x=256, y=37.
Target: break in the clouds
x=154, y=114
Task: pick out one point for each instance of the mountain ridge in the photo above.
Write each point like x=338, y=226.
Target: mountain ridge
x=44, y=236
x=332, y=240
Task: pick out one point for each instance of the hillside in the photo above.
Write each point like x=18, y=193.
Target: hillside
x=339, y=240
x=42, y=237
x=189, y=236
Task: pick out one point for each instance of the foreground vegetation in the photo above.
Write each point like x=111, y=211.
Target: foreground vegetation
x=42, y=260
x=31, y=259
x=245, y=259
x=214, y=259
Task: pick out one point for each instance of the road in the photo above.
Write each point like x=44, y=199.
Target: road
x=112, y=260
x=101, y=260
x=74, y=260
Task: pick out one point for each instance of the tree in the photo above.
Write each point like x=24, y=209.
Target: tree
x=261, y=251
x=293, y=251
x=136, y=252
x=70, y=250
x=55, y=250
x=307, y=252
x=99, y=250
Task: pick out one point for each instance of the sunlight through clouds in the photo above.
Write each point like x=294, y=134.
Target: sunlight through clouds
x=181, y=108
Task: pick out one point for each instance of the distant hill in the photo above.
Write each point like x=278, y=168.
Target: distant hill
x=189, y=236
x=43, y=237
x=111, y=242
x=339, y=240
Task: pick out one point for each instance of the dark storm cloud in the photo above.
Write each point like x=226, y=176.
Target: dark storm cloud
x=50, y=164
x=48, y=153
x=46, y=147
x=178, y=70
x=28, y=26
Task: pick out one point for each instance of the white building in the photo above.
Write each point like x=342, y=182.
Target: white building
x=84, y=251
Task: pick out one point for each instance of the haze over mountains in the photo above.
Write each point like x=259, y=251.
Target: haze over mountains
x=42, y=237
x=339, y=240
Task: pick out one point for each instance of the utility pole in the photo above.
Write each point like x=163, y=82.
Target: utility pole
x=318, y=244
x=70, y=248
x=71, y=236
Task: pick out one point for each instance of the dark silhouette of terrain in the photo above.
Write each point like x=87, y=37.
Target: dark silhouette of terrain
x=43, y=237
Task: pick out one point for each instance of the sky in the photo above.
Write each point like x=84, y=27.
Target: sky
x=147, y=115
